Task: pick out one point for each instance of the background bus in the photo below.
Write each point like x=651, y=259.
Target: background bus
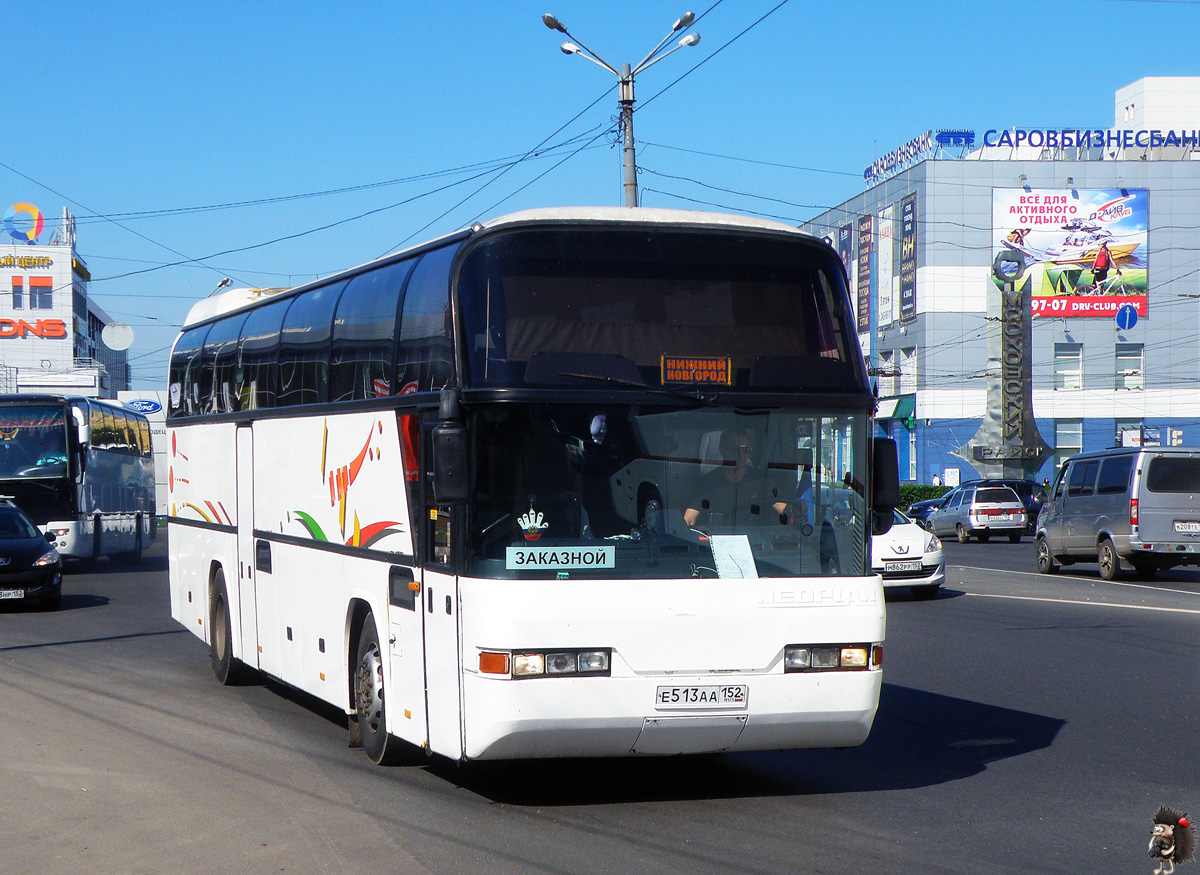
x=449, y=491
x=82, y=469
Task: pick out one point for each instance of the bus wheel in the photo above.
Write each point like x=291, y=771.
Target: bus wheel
x=369, y=706
x=229, y=671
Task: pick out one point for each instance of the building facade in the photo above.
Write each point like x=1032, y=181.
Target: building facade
x=52, y=334
x=998, y=345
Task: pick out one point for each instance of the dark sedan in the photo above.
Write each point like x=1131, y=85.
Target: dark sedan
x=919, y=511
x=30, y=568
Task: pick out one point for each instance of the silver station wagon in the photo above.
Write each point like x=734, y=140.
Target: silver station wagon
x=975, y=511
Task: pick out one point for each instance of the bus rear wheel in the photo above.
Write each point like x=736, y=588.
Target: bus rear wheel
x=370, y=707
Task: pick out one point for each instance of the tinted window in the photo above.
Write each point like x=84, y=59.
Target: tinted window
x=1083, y=478
x=14, y=524
x=220, y=349
x=184, y=383
x=364, y=334
x=304, y=346
x=259, y=353
x=612, y=303
x=1173, y=474
x=145, y=442
x=996, y=494
x=426, y=361
x=1114, y=475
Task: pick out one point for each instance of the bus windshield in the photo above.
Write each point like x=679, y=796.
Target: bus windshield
x=558, y=306
x=33, y=442
x=632, y=491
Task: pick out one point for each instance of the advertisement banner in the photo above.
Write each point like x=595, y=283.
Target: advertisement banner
x=908, y=258
x=1085, y=249
x=864, y=273
x=885, y=311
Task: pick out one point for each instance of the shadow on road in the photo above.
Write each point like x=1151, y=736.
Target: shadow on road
x=919, y=739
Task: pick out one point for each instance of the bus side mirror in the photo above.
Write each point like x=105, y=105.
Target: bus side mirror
x=83, y=434
x=885, y=484
x=451, y=454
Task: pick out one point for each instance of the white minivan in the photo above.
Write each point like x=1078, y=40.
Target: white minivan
x=1135, y=508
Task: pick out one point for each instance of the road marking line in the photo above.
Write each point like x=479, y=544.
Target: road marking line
x=1061, y=576
x=1027, y=598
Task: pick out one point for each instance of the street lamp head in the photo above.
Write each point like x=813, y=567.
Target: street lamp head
x=554, y=24
x=690, y=40
x=684, y=21
x=569, y=48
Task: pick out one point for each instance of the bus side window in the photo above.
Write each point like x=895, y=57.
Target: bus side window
x=304, y=346
x=426, y=355
x=258, y=357
x=364, y=332
x=145, y=442
x=184, y=372
x=221, y=350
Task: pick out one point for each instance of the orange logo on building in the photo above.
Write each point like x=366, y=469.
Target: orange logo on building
x=48, y=328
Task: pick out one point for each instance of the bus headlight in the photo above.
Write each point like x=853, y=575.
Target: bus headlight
x=545, y=663
x=831, y=657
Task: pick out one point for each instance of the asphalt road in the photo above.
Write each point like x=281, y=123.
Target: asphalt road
x=1027, y=724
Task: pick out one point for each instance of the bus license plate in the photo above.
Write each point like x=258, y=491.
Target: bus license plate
x=911, y=565
x=690, y=698
x=1187, y=527
x=12, y=593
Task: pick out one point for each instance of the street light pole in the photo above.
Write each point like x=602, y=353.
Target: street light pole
x=625, y=88
x=628, y=156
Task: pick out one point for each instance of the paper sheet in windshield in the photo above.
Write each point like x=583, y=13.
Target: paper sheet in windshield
x=733, y=556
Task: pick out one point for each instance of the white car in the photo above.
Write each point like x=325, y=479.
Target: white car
x=907, y=555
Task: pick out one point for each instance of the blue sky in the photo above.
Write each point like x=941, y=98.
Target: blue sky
x=323, y=136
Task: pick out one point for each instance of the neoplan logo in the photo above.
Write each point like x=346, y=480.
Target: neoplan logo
x=48, y=328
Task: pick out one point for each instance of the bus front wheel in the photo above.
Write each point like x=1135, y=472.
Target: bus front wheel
x=370, y=707
x=229, y=671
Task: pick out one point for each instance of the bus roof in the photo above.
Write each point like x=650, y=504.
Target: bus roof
x=236, y=299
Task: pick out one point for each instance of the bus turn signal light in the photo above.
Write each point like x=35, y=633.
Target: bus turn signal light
x=493, y=663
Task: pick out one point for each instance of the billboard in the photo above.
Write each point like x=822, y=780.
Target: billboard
x=908, y=258
x=885, y=310
x=865, y=248
x=1062, y=234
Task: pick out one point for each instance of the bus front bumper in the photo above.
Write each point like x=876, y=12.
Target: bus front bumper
x=606, y=716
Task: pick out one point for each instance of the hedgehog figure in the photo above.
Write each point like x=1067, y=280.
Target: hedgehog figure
x=1173, y=840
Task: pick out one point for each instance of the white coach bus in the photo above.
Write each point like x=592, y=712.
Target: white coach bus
x=83, y=470
x=576, y=482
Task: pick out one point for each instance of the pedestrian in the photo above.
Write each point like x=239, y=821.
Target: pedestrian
x=937, y=481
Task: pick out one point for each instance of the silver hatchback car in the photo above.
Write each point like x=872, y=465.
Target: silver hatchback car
x=980, y=512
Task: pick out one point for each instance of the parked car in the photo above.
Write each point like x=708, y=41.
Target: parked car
x=973, y=511
x=907, y=555
x=30, y=568
x=1032, y=495
x=1128, y=508
x=919, y=511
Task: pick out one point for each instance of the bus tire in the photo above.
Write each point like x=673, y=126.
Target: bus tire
x=229, y=671
x=370, y=709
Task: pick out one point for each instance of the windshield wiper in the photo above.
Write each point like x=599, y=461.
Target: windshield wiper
x=682, y=394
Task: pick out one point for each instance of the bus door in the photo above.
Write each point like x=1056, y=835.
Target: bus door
x=248, y=595
x=443, y=703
